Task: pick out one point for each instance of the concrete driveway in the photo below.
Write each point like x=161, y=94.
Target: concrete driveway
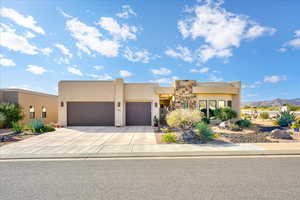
x=83, y=140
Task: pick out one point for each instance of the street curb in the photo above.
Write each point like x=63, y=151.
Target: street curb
x=151, y=154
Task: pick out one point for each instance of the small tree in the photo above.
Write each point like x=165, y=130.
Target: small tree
x=225, y=114
x=184, y=119
x=12, y=113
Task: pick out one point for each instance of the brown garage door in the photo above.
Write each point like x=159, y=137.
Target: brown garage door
x=138, y=113
x=91, y=113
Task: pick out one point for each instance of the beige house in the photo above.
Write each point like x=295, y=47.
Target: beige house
x=115, y=103
x=35, y=105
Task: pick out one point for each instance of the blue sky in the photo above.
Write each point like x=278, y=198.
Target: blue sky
x=257, y=42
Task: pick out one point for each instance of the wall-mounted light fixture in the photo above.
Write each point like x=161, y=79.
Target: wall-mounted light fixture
x=119, y=104
x=62, y=104
x=155, y=104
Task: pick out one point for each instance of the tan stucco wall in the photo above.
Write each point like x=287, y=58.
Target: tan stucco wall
x=113, y=91
x=26, y=98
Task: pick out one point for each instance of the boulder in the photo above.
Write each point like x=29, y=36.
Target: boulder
x=224, y=125
x=281, y=134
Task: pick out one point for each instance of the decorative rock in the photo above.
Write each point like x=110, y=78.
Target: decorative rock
x=281, y=134
x=224, y=125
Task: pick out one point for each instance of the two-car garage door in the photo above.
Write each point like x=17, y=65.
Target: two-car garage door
x=103, y=113
x=91, y=113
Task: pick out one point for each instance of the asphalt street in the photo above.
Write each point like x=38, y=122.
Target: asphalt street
x=145, y=179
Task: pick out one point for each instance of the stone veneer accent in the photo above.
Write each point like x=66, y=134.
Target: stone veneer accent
x=183, y=95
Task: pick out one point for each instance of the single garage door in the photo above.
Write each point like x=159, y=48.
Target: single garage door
x=138, y=113
x=91, y=113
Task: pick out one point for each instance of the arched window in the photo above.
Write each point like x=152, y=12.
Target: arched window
x=31, y=112
x=44, y=112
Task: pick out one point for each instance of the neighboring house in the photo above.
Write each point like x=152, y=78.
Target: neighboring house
x=115, y=103
x=35, y=105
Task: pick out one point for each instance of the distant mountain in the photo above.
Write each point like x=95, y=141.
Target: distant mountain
x=275, y=102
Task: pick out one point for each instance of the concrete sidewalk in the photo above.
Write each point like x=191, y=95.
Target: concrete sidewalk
x=151, y=150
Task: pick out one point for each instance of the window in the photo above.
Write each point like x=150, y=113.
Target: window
x=212, y=104
x=202, y=104
x=229, y=104
x=221, y=104
x=31, y=112
x=44, y=112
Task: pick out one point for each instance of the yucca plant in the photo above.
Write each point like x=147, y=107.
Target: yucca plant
x=285, y=118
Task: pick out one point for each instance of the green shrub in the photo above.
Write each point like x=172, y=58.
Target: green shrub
x=244, y=123
x=48, y=128
x=205, y=120
x=17, y=128
x=170, y=137
x=204, y=132
x=285, y=118
x=264, y=115
x=295, y=126
x=184, y=118
x=2, y=120
x=225, y=113
x=12, y=113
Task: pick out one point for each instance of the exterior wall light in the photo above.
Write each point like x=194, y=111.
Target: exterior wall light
x=62, y=104
x=155, y=104
x=119, y=104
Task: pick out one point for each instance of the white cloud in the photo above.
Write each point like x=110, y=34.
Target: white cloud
x=201, y=70
x=165, y=80
x=104, y=77
x=15, y=42
x=137, y=56
x=214, y=78
x=220, y=29
x=98, y=67
x=118, y=31
x=162, y=71
x=37, y=70
x=5, y=62
x=256, y=84
x=297, y=33
x=294, y=43
x=274, y=78
x=62, y=60
x=75, y=71
x=29, y=35
x=206, y=52
x=25, y=21
x=100, y=77
x=63, y=13
x=126, y=12
x=282, y=49
x=64, y=50
x=257, y=30
x=46, y=51
x=182, y=52
x=125, y=73
x=90, y=39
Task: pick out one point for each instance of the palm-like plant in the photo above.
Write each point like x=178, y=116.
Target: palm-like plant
x=12, y=113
